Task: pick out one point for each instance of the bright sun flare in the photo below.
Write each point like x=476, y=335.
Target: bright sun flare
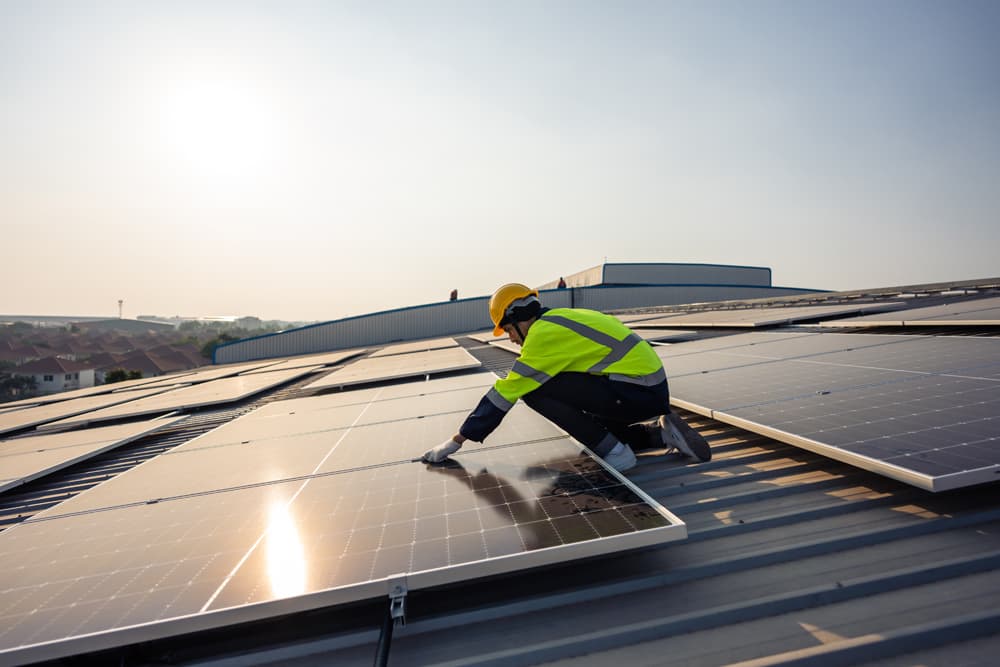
x=222, y=134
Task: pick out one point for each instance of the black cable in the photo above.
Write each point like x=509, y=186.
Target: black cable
x=384, y=639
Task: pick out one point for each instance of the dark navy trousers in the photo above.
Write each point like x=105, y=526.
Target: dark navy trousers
x=599, y=411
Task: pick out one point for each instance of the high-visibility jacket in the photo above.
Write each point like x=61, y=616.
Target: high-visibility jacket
x=566, y=340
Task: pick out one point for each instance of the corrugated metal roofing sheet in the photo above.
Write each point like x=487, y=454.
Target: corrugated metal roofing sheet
x=789, y=555
x=791, y=559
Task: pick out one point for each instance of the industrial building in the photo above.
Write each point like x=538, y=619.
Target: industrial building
x=607, y=287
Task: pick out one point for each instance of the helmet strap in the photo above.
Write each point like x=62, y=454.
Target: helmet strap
x=517, y=327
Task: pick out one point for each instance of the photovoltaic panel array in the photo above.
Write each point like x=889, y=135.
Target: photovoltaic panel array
x=635, y=318
x=507, y=344
x=654, y=336
x=663, y=335
x=761, y=317
x=417, y=346
x=145, y=383
x=311, y=360
x=976, y=312
x=42, y=414
x=924, y=410
x=331, y=512
x=375, y=369
x=215, y=392
x=486, y=337
x=221, y=371
x=27, y=458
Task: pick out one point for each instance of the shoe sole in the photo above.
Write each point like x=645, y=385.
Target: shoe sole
x=695, y=446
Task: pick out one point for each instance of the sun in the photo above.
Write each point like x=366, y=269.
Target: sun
x=221, y=133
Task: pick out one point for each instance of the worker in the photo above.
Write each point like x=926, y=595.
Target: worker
x=586, y=372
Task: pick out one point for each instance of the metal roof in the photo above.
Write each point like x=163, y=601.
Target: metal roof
x=791, y=559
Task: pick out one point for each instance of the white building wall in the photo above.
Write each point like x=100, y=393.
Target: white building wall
x=664, y=273
x=63, y=381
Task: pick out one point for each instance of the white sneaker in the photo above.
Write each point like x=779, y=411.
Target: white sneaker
x=621, y=457
x=678, y=435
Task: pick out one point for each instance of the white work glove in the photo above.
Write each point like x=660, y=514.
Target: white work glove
x=442, y=451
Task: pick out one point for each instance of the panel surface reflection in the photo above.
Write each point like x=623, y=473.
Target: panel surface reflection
x=367, y=525
x=212, y=528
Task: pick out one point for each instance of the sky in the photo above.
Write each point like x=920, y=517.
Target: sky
x=307, y=161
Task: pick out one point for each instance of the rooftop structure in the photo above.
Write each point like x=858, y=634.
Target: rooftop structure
x=790, y=554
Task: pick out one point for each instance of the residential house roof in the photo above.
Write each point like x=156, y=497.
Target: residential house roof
x=50, y=365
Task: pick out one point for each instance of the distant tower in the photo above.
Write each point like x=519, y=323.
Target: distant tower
x=120, y=302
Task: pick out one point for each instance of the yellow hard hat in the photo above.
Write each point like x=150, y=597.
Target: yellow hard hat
x=501, y=300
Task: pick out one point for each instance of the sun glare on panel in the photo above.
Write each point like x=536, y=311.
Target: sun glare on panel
x=286, y=563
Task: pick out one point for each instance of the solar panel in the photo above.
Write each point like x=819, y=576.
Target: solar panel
x=221, y=371
x=763, y=346
x=936, y=432
x=410, y=388
x=145, y=383
x=191, y=560
x=915, y=408
x=977, y=312
x=28, y=417
x=327, y=359
x=418, y=346
x=651, y=335
x=638, y=317
x=27, y=458
x=223, y=390
x=663, y=335
x=507, y=344
x=397, y=366
x=762, y=317
x=487, y=337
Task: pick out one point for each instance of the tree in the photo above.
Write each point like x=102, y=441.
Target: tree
x=13, y=387
x=120, y=375
x=209, y=348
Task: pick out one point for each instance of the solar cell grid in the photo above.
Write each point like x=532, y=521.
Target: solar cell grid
x=732, y=341
x=412, y=387
x=288, y=545
x=417, y=346
x=925, y=354
x=760, y=317
x=50, y=412
x=92, y=391
x=222, y=390
x=662, y=335
x=316, y=360
x=927, y=426
x=919, y=409
x=27, y=458
x=774, y=381
x=640, y=317
x=974, y=312
x=274, y=443
x=486, y=337
x=397, y=366
x=373, y=524
x=508, y=345
x=678, y=366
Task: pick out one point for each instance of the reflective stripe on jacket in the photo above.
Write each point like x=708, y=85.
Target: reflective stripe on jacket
x=565, y=340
